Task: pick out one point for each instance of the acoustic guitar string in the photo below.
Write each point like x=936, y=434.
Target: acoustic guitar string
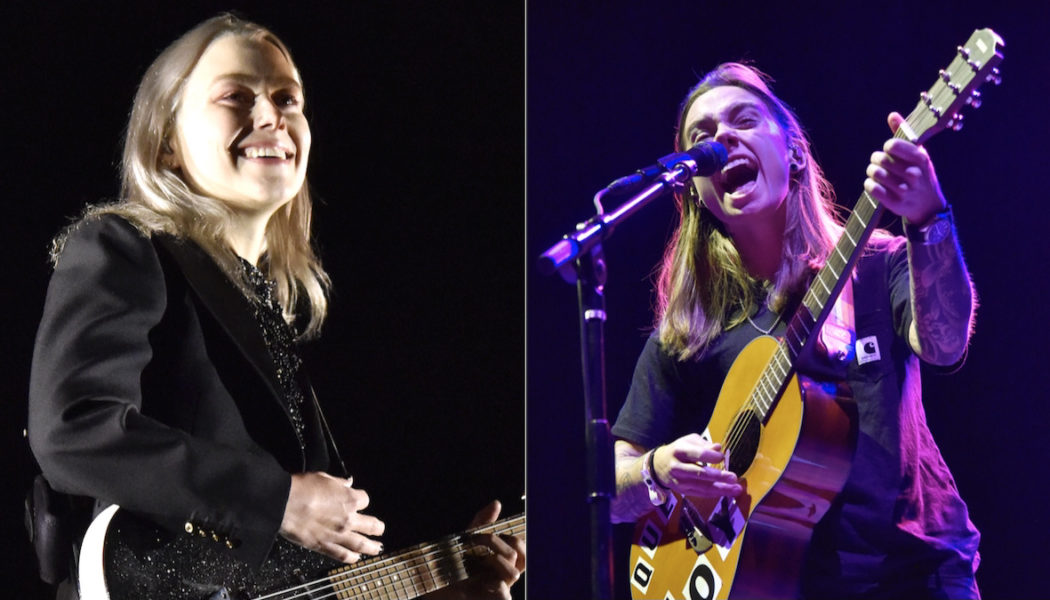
x=739, y=426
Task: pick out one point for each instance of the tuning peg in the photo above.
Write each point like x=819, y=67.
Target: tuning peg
x=955, y=123
x=945, y=75
x=995, y=77
x=975, y=99
x=928, y=101
x=963, y=52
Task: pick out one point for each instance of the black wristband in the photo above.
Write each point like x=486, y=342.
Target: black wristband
x=652, y=470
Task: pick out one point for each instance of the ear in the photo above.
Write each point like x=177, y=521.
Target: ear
x=796, y=159
x=168, y=157
x=692, y=195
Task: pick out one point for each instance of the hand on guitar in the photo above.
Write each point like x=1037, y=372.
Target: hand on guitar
x=496, y=574
x=323, y=514
x=684, y=465
x=902, y=178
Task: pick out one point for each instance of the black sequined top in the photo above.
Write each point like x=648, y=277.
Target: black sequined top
x=279, y=338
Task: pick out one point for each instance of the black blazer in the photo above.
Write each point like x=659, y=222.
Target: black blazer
x=152, y=388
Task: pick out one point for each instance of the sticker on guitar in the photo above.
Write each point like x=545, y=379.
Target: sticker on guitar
x=704, y=582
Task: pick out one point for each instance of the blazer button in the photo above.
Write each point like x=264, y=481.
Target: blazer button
x=189, y=527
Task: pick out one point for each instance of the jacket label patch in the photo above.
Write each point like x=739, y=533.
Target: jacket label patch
x=868, y=350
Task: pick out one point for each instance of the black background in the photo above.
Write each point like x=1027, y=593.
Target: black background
x=604, y=82
x=418, y=111
x=417, y=166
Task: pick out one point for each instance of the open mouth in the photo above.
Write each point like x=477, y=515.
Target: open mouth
x=265, y=152
x=738, y=173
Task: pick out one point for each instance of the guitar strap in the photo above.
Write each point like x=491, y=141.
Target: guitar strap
x=47, y=517
x=327, y=430
x=54, y=522
x=839, y=333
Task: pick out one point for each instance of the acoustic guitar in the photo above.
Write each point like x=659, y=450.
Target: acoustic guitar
x=787, y=437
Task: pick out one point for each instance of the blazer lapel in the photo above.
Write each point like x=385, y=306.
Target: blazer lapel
x=228, y=305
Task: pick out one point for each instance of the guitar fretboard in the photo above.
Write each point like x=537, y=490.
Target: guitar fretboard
x=817, y=303
x=408, y=574
x=955, y=87
x=827, y=284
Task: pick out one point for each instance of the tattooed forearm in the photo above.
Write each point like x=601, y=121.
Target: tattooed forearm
x=942, y=301
x=632, y=497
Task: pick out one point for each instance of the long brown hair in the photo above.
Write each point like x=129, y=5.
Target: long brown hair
x=703, y=287
x=156, y=199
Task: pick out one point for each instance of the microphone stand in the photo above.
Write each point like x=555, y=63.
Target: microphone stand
x=578, y=257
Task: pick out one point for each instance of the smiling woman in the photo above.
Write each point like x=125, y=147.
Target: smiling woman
x=181, y=172
x=166, y=377
x=240, y=134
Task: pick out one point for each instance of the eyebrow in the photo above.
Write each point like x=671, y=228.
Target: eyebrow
x=733, y=110
x=242, y=78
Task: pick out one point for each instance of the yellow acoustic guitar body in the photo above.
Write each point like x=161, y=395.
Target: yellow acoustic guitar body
x=792, y=463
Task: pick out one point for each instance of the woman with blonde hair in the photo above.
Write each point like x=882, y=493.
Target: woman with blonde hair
x=165, y=376
x=750, y=239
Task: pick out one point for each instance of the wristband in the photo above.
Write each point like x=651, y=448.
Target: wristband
x=652, y=470
x=656, y=495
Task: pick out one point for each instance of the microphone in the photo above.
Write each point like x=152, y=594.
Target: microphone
x=708, y=157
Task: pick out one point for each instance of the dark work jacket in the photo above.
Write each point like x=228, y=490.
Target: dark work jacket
x=152, y=388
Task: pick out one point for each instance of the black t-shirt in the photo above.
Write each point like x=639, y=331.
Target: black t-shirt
x=899, y=514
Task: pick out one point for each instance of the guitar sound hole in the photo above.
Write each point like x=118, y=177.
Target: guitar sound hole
x=742, y=441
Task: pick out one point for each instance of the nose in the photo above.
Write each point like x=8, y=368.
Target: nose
x=266, y=114
x=726, y=135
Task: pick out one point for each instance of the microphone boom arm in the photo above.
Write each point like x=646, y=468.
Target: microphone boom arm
x=680, y=167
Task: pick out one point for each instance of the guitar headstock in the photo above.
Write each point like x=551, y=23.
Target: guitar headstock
x=957, y=86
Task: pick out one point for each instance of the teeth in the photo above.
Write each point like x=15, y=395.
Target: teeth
x=733, y=163
x=256, y=152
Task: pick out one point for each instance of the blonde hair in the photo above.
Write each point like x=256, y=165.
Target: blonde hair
x=156, y=199
x=702, y=287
